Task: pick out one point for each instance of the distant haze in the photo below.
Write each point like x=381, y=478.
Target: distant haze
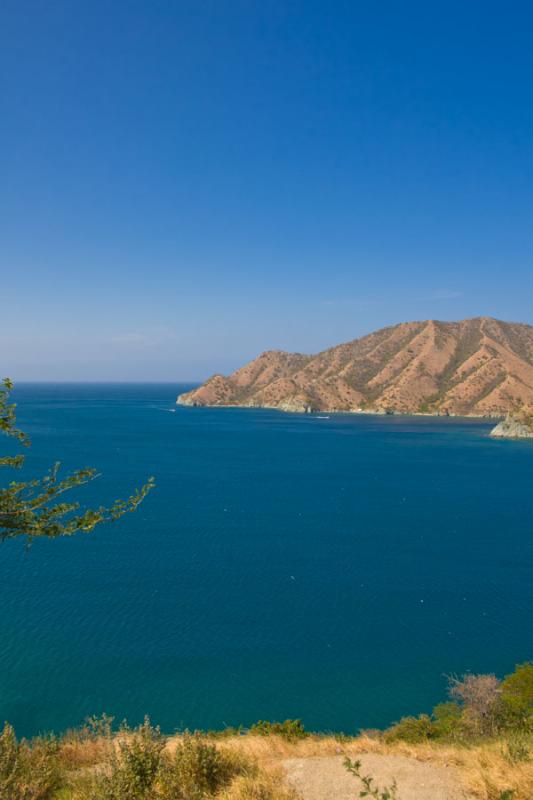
x=186, y=185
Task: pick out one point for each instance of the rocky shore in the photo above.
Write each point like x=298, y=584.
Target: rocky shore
x=516, y=425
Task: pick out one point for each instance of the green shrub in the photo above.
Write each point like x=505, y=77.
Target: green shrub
x=485, y=708
x=449, y=722
x=517, y=697
x=28, y=772
x=196, y=770
x=291, y=729
x=133, y=766
x=412, y=729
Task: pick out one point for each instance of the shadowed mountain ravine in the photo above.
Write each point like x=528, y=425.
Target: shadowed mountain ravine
x=478, y=367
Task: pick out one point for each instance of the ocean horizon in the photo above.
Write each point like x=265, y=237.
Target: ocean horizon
x=333, y=568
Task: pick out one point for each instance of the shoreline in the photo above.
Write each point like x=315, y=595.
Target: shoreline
x=348, y=412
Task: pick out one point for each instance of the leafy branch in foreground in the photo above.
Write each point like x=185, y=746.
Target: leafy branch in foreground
x=370, y=789
x=31, y=508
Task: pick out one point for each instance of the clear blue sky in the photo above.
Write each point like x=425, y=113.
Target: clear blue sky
x=185, y=184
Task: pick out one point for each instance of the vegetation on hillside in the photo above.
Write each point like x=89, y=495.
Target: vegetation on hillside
x=485, y=730
x=480, y=706
x=133, y=764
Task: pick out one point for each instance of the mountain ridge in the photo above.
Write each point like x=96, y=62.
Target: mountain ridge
x=479, y=367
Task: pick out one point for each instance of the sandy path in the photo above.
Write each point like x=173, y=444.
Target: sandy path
x=325, y=778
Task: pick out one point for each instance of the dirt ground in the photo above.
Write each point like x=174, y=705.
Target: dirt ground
x=325, y=778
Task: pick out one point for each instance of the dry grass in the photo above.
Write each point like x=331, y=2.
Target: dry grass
x=263, y=785
x=78, y=754
x=258, y=760
x=483, y=769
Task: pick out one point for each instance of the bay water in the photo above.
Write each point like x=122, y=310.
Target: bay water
x=333, y=568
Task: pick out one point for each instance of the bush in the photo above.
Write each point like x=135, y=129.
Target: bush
x=480, y=697
x=517, y=697
x=412, y=729
x=485, y=707
x=291, y=729
x=28, y=772
x=133, y=766
x=449, y=722
x=89, y=745
x=196, y=770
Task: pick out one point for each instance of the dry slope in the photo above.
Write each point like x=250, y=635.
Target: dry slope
x=478, y=366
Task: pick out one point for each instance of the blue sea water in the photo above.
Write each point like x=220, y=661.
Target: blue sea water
x=285, y=566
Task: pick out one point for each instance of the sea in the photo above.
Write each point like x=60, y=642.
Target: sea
x=333, y=568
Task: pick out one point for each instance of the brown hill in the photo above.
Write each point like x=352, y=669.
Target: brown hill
x=475, y=367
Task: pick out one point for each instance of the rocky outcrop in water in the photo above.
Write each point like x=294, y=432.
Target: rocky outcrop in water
x=516, y=425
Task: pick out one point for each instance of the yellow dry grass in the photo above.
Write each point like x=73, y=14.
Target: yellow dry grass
x=263, y=785
x=483, y=769
x=77, y=753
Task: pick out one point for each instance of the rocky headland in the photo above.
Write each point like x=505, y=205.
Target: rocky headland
x=516, y=425
x=476, y=367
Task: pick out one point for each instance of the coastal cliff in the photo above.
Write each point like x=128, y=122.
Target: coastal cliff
x=516, y=425
x=478, y=367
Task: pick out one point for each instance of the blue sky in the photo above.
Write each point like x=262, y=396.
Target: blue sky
x=185, y=184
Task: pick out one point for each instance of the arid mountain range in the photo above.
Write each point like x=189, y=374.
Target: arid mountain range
x=480, y=367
